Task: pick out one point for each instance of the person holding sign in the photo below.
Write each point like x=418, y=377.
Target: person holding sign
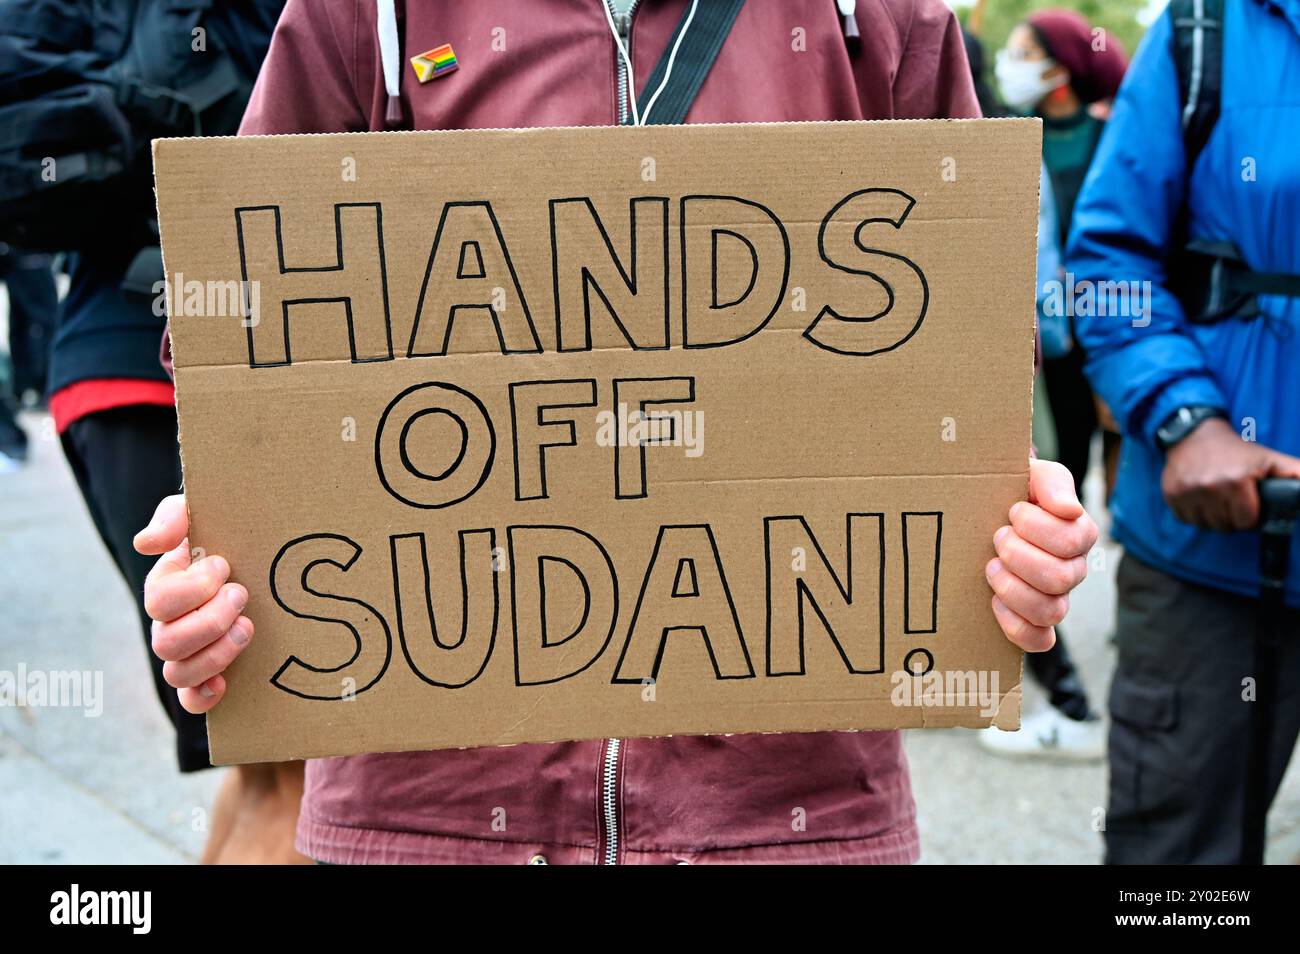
x=793, y=798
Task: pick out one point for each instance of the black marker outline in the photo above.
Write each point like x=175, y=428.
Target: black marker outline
x=653, y=442
x=686, y=567
x=453, y=312
x=753, y=275
x=702, y=631
x=889, y=290
x=541, y=582
x=465, y=246
x=713, y=265
x=907, y=574
x=284, y=269
x=293, y=659
x=542, y=423
x=589, y=281
x=405, y=459
x=804, y=594
x=921, y=651
x=428, y=603
x=406, y=429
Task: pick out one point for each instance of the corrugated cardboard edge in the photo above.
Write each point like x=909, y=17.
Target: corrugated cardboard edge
x=1008, y=120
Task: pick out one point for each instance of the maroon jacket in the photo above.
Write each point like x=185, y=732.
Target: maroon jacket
x=829, y=797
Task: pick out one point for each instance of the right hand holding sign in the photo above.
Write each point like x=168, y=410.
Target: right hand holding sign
x=198, y=627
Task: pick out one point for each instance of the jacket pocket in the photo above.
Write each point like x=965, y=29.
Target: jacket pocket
x=1143, y=705
x=1147, y=769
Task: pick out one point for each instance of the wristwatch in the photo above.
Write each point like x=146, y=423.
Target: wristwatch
x=1183, y=421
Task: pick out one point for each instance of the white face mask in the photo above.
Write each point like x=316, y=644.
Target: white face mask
x=1022, y=82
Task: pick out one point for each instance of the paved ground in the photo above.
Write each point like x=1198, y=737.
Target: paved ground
x=78, y=789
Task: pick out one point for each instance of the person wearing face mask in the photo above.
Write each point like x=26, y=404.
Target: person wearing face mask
x=1067, y=728
x=1057, y=66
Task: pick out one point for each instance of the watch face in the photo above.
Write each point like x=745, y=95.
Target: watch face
x=1181, y=423
x=1173, y=428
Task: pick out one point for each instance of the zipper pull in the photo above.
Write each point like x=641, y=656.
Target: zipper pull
x=623, y=23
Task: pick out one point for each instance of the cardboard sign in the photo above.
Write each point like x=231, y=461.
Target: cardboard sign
x=533, y=435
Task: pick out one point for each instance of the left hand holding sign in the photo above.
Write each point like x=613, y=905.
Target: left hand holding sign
x=1042, y=556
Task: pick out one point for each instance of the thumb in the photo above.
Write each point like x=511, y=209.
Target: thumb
x=167, y=529
x=1052, y=487
x=172, y=561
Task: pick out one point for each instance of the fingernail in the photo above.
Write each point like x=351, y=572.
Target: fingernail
x=206, y=692
x=238, y=635
x=998, y=605
x=1001, y=535
x=238, y=596
x=1017, y=508
x=993, y=568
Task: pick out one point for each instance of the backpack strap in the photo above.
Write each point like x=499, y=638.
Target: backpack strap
x=1198, y=58
x=691, y=50
x=1215, y=284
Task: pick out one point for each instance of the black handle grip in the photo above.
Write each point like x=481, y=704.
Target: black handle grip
x=1279, y=508
x=1279, y=505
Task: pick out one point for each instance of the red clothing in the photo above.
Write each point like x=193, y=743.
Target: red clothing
x=828, y=797
x=102, y=394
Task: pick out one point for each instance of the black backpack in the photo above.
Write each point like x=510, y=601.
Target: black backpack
x=1209, y=277
x=84, y=86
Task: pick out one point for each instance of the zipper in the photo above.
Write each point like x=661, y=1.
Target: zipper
x=609, y=758
x=609, y=800
x=623, y=24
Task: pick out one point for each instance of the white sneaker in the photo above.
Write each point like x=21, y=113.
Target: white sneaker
x=1047, y=734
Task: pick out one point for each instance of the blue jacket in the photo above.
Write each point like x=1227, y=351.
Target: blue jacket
x=1244, y=188
x=1053, y=323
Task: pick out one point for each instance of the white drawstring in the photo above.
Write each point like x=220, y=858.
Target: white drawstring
x=637, y=118
x=391, y=57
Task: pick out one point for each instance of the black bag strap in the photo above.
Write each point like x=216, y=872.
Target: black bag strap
x=709, y=27
x=1197, y=49
x=1214, y=284
x=1198, y=58
x=1265, y=283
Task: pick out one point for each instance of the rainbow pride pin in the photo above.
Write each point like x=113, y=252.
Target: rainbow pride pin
x=434, y=63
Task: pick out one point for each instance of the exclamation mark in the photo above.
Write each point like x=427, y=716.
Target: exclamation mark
x=922, y=536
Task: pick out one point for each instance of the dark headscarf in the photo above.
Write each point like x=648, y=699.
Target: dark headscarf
x=1095, y=74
